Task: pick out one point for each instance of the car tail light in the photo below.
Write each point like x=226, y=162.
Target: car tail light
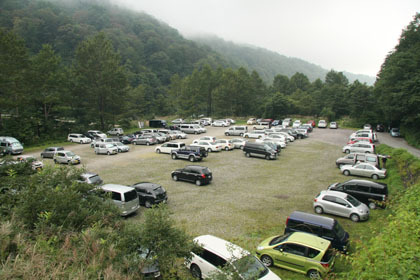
x=326, y=265
x=287, y=220
x=315, y=200
x=203, y=176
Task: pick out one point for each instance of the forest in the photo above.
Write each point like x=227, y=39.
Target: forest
x=73, y=65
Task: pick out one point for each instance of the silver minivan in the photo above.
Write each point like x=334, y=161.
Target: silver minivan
x=190, y=128
x=10, y=145
x=125, y=198
x=106, y=148
x=340, y=204
x=236, y=131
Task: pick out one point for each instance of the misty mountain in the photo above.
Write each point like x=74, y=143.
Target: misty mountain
x=268, y=63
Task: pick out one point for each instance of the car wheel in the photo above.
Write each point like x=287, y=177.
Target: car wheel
x=209, y=150
x=195, y=271
x=375, y=177
x=42, y=156
x=147, y=143
x=118, y=134
x=158, y=151
x=346, y=172
x=241, y=147
x=191, y=158
x=55, y=161
x=71, y=140
x=134, y=143
x=267, y=157
x=108, y=153
x=68, y=162
x=347, y=151
x=246, y=136
x=119, y=150
x=372, y=205
x=247, y=155
x=314, y=274
x=339, y=165
x=175, y=178
x=174, y=156
x=267, y=260
x=198, y=182
x=319, y=210
x=226, y=148
x=227, y=134
x=355, y=218
x=259, y=137
x=96, y=152
x=148, y=204
x=241, y=135
x=195, y=132
x=81, y=142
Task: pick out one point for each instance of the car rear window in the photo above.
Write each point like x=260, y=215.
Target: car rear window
x=130, y=195
x=328, y=255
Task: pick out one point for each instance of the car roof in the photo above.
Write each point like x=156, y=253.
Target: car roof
x=221, y=247
x=196, y=167
x=313, y=219
x=366, y=183
x=309, y=240
x=335, y=193
x=115, y=187
x=146, y=185
x=88, y=174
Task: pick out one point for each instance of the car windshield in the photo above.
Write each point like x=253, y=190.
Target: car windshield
x=395, y=129
x=119, y=144
x=353, y=201
x=249, y=267
x=95, y=179
x=159, y=190
x=14, y=144
x=339, y=231
x=70, y=154
x=279, y=239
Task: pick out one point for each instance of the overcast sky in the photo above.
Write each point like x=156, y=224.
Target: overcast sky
x=344, y=35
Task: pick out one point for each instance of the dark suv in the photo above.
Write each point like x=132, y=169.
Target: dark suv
x=200, y=175
x=372, y=194
x=191, y=153
x=150, y=193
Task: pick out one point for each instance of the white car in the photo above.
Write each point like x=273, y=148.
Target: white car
x=257, y=134
x=205, y=138
x=78, y=138
x=238, y=143
x=322, y=124
x=363, y=169
x=333, y=125
x=168, y=147
x=209, y=146
x=220, y=123
x=97, y=133
x=66, y=157
x=296, y=123
x=202, y=129
x=178, y=121
x=226, y=144
x=178, y=134
x=251, y=121
x=106, y=148
x=289, y=138
x=217, y=252
x=35, y=163
x=365, y=133
x=275, y=141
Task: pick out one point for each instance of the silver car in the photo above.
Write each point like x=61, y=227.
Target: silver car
x=108, y=149
x=359, y=148
x=145, y=140
x=340, y=204
x=238, y=143
x=121, y=147
x=66, y=157
x=364, y=170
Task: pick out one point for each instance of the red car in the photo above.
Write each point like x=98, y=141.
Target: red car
x=358, y=139
x=312, y=122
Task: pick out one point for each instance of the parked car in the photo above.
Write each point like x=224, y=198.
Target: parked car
x=296, y=123
x=363, y=169
x=124, y=197
x=360, y=139
x=324, y=227
x=90, y=178
x=200, y=175
x=276, y=146
x=158, y=123
x=127, y=139
x=367, y=126
x=359, y=147
x=275, y=123
x=322, y=124
x=209, y=146
x=259, y=150
x=190, y=128
x=236, y=131
x=380, y=128
x=121, y=147
x=178, y=134
x=340, y=204
x=226, y=144
x=35, y=163
x=105, y=148
x=215, y=253
x=10, y=145
x=169, y=135
x=277, y=141
x=372, y=194
x=395, y=132
x=150, y=193
x=104, y=141
x=238, y=143
x=66, y=157
x=312, y=123
x=178, y=121
x=220, y=123
x=159, y=138
x=116, y=131
x=145, y=140
x=168, y=147
x=333, y=125
x=298, y=251
x=365, y=133
x=97, y=133
x=205, y=138
x=286, y=133
x=306, y=126
x=191, y=153
x=285, y=123
x=354, y=158
x=255, y=134
x=50, y=152
x=78, y=138
x=302, y=133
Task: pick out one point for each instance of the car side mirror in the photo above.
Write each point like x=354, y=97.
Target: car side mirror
x=348, y=206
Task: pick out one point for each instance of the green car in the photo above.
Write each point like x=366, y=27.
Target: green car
x=300, y=252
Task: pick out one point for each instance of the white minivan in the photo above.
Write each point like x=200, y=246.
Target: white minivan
x=10, y=145
x=217, y=252
x=124, y=197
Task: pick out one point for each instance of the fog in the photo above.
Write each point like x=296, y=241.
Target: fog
x=343, y=35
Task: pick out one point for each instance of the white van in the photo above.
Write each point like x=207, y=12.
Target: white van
x=190, y=128
x=78, y=138
x=10, y=145
x=236, y=131
x=124, y=197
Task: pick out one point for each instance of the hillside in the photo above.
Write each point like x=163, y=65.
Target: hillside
x=268, y=63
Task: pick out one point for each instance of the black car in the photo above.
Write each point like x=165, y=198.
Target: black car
x=380, y=128
x=150, y=193
x=199, y=175
x=50, y=152
x=90, y=135
x=372, y=194
x=191, y=153
x=127, y=139
x=259, y=150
